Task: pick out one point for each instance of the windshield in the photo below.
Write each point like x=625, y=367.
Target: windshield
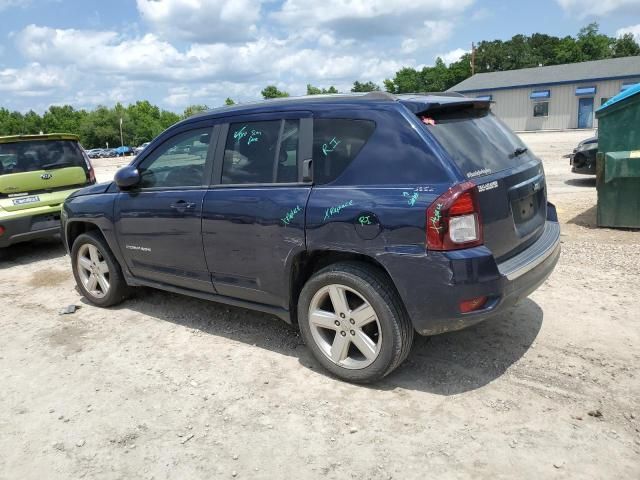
x=36, y=155
x=477, y=141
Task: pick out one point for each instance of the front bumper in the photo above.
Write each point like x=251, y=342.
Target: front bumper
x=433, y=285
x=29, y=227
x=583, y=162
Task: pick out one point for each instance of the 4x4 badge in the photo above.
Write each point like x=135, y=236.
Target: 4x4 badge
x=46, y=176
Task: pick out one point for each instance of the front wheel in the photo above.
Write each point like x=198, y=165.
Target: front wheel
x=97, y=272
x=354, y=323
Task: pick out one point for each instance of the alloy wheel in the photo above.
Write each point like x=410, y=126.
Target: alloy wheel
x=345, y=326
x=93, y=270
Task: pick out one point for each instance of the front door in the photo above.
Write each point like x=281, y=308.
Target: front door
x=254, y=217
x=585, y=113
x=159, y=223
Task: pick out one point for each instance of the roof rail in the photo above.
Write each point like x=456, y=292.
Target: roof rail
x=380, y=96
x=437, y=94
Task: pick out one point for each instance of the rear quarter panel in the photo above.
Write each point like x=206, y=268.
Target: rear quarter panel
x=379, y=202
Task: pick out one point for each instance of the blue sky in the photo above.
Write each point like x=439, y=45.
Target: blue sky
x=178, y=52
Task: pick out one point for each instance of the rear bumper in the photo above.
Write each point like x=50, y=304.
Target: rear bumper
x=29, y=227
x=433, y=285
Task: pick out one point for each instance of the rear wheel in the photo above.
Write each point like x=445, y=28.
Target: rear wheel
x=353, y=322
x=97, y=272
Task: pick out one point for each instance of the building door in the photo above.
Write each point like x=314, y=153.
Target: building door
x=585, y=112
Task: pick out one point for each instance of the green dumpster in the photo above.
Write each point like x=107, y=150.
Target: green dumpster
x=618, y=182
x=618, y=160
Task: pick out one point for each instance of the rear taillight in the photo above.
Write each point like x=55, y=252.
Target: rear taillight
x=453, y=220
x=1, y=230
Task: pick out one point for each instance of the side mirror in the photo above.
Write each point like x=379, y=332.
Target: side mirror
x=205, y=138
x=127, y=177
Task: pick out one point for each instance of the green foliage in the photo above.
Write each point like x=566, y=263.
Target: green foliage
x=191, y=110
x=141, y=122
x=520, y=51
x=311, y=90
x=271, y=91
x=229, y=101
x=365, y=87
x=625, y=46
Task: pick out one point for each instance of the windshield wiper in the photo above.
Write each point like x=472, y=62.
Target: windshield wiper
x=518, y=151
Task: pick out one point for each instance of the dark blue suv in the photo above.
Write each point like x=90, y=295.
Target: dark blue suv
x=360, y=218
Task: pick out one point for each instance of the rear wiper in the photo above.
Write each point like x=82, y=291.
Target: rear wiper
x=50, y=166
x=518, y=151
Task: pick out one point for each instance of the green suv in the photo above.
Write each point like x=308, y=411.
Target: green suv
x=37, y=174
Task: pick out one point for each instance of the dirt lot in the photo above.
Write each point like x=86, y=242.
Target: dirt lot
x=166, y=386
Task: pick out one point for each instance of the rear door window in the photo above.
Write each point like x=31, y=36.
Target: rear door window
x=336, y=143
x=477, y=141
x=261, y=152
x=32, y=156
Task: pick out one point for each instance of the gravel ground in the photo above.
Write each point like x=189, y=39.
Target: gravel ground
x=166, y=386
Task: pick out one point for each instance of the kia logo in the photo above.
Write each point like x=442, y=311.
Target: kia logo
x=46, y=176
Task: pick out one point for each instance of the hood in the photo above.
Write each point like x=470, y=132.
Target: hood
x=92, y=190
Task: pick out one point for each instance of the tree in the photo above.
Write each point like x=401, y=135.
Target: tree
x=365, y=87
x=311, y=90
x=594, y=45
x=193, y=109
x=271, y=91
x=229, y=101
x=625, y=46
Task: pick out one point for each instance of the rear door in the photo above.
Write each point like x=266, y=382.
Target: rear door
x=510, y=178
x=254, y=214
x=159, y=223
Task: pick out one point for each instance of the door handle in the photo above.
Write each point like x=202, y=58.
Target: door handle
x=182, y=205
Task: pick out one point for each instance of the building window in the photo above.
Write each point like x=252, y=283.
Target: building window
x=541, y=109
x=540, y=94
x=626, y=86
x=484, y=97
x=585, y=90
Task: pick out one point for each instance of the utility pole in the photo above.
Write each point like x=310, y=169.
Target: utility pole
x=473, y=58
x=121, y=138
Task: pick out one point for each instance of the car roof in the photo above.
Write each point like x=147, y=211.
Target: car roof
x=45, y=137
x=416, y=102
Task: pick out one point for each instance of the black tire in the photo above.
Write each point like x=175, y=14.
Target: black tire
x=118, y=288
x=373, y=287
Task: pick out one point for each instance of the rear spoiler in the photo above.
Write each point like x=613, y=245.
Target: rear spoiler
x=421, y=108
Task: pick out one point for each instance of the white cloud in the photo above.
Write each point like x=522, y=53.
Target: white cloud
x=6, y=4
x=453, y=55
x=432, y=32
x=32, y=80
x=204, y=21
x=201, y=51
x=102, y=52
x=632, y=29
x=367, y=18
x=584, y=8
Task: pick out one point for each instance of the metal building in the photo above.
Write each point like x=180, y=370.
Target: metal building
x=554, y=97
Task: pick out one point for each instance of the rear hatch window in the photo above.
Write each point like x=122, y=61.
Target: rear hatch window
x=513, y=204
x=477, y=141
x=32, y=166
